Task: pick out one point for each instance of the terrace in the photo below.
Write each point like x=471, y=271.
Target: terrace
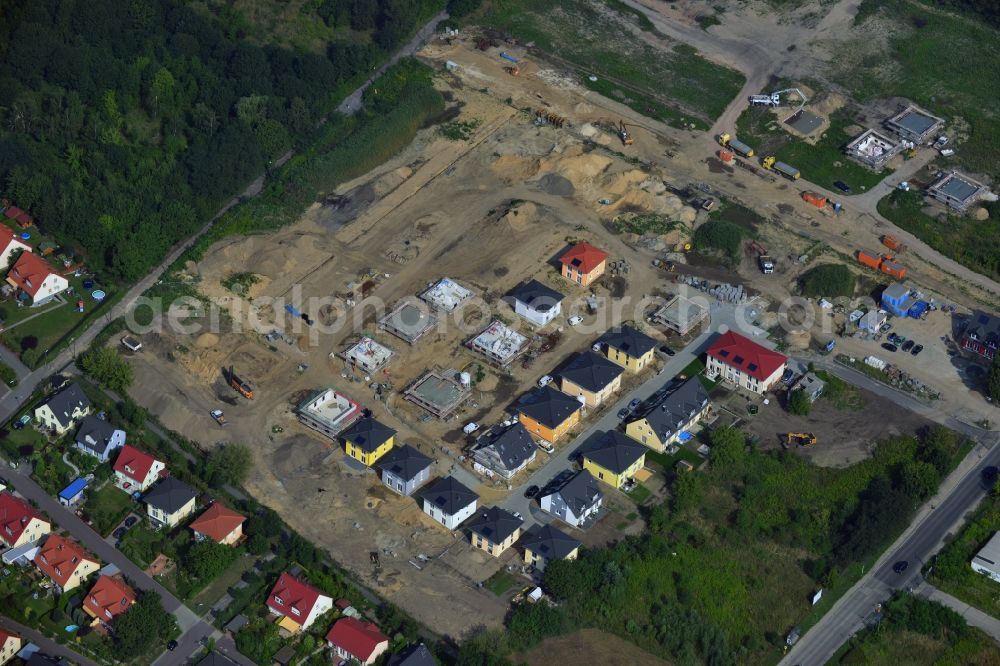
x=367, y=354
x=499, y=343
x=328, y=412
x=409, y=321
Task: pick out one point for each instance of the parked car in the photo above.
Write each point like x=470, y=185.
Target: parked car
x=130, y=521
x=171, y=645
x=545, y=381
x=545, y=446
x=635, y=403
x=908, y=345
x=888, y=346
x=917, y=349
x=531, y=491
x=842, y=186
x=574, y=320
x=119, y=533
x=470, y=428
x=624, y=412
x=667, y=351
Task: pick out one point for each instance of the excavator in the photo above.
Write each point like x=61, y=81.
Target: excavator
x=624, y=135
x=800, y=439
x=242, y=387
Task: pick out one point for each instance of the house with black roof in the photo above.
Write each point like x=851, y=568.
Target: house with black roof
x=505, y=451
x=404, y=469
x=494, y=530
x=536, y=302
x=616, y=459
x=62, y=410
x=574, y=498
x=544, y=543
x=169, y=502
x=367, y=440
x=549, y=414
x=661, y=423
x=628, y=347
x=96, y=437
x=449, y=502
x=414, y=655
x=592, y=376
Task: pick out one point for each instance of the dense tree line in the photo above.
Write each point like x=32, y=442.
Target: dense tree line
x=124, y=125
x=989, y=10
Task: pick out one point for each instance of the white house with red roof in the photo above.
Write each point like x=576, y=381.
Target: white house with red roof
x=10, y=645
x=136, y=471
x=20, y=523
x=744, y=363
x=296, y=604
x=353, y=639
x=9, y=243
x=35, y=279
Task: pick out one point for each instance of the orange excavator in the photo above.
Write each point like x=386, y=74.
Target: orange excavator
x=242, y=387
x=624, y=134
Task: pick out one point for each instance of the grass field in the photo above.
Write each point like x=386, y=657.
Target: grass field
x=106, y=507
x=841, y=394
x=822, y=163
x=674, y=84
x=972, y=243
x=588, y=646
x=499, y=583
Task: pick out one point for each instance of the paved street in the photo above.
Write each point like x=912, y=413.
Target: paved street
x=47, y=645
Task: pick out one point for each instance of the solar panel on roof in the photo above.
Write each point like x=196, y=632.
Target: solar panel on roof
x=723, y=352
x=983, y=319
x=752, y=367
x=737, y=360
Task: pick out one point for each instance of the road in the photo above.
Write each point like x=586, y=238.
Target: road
x=47, y=645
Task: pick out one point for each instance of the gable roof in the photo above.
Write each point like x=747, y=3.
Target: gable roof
x=743, y=354
x=15, y=514
x=675, y=408
x=170, y=495
x=18, y=215
x=550, y=542
x=109, y=597
x=95, y=434
x=29, y=272
x=368, y=434
x=591, y=371
x=616, y=452
x=134, y=463
x=536, y=295
x=629, y=341
x=449, y=495
x=357, y=638
x=548, y=406
x=513, y=445
x=583, y=257
x=405, y=462
x=579, y=491
x=217, y=521
x=415, y=655
x=215, y=659
x=495, y=524
x=290, y=593
x=7, y=236
x=59, y=557
x=66, y=401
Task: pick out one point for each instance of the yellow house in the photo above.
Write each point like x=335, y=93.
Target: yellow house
x=546, y=543
x=20, y=523
x=10, y=645
x=661, y=424
x=592, y=376
x=368, y=440
x=615, y=460
x=548, y=414
x=628, y=348
x=169, y=502
x=494, y=530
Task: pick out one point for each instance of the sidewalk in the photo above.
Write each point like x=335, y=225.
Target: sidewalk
x=47, y=645
x=972, y=615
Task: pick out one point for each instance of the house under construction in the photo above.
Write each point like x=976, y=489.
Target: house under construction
x=499, y=343
x=873, y=149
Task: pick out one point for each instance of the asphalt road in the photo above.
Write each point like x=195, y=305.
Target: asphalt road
x=47, y=645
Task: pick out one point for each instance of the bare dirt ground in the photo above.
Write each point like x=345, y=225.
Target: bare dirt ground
x=588, y=646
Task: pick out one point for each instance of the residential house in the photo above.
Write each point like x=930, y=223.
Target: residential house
x=628, y=347
x=169, y=502
x=660, y=424
x=96, y=437
x=592, y=376
x=108, y=598
x=615, y=460
x=449, y=502
x=494, y=530
x=536, y=302
x=356, y=640
x=20, y=523
x=414, y=655
x=504, y=451
x=980, y=336
x=296, y=604
x=368, y=440
x=10, y=644
x=404, y=469
x=583, y=263
x=220, y=524
x=545, y=543
x=62, y=409
x=136, y=471
x=549, y=414
x=744, y=363
x=65, y=562
x=10, y=244
x=574, y=498
x=35, y=279
x=215, y=659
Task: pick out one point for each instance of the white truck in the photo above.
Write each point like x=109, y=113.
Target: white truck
x=219, y=417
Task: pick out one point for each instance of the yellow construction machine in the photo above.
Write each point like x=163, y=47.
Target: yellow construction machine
x=800, y=439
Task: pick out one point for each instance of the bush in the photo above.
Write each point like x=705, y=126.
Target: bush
x=799, y=403
x=7, y=375
x=828, y=280
x=993, y=381
x=721, y=235
x=107, y=366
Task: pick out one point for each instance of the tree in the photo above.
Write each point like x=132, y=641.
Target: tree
x=206, y=560
x=919, y=479
x=266, y=523
x=728, y=446
x=993, y=381
x=799, y=403
x=145, y=624
x=228, y=464
x=828, y=280
x=108, y=367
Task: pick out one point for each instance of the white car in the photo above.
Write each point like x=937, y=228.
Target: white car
x=470, y=428
x=574, y=320
x=545, y=381
x=545, y=446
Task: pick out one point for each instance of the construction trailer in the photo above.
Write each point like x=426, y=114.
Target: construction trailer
x=728, y=141
x=815, y=199
x=884, y=263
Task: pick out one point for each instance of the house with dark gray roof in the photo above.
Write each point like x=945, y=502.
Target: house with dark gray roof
x=215, y=659
x=536, y=302
x=545, y=543
x=449, y=502
x=549, y=414
x=169, y=502
x=592, y=376
x=61, y=411
x=628, y=347
x=505, y=451
x=414, y=655
x=96, y=437
x=404, y=469
x=616, y=459
x=660, y=423
x=494, y=530
x=574, y=498
x=367, y=440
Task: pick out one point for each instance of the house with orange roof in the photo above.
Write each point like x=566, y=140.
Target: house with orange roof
x=10, y=645
x=9, y=244
x=220, y=524
x=108, y=598
x=583, y=263
x=296, y=604
x=135, y=470
x=65, y=562
x=35, y=279
x=20, y=523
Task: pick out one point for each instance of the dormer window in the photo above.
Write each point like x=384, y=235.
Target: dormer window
x=278, y=600
x=296, y=611
x=93, y=600
x=107, y=613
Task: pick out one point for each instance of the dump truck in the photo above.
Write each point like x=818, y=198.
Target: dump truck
x=800, y=439
x=728, y=141
x=815, y=199
x=219, y=417
x=763, y=260
x=624, y=135
x=893, y=243
x=787, y=170
x=241, y=386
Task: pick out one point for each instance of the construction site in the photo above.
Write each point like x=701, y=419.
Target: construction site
x=387, y=296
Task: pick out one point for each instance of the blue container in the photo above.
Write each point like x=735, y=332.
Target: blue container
x=88, y=284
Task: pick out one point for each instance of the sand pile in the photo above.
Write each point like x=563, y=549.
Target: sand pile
x=206, y=340
x=980, y=214
x=798, y=339
x=515, y=169
x=581, y=170
x=521, y=217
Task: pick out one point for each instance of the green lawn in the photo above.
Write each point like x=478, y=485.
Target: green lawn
x=640, y=494
x=842, y=395
x=106, y=507
x=674, y=84
x=212, y=592
x=499, y=583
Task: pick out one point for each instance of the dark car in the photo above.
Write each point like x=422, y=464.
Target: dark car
x=667, y=350
x=990, y=475
x=171, y=645
x=130, y=521
x=531, y=491
x=888, y=346
x=119, y=533
x=624, y=412
x=900, y=567
x=18, y=425
x=842, y=186
x=917, y=349
x=908, y=345
x=635, y=403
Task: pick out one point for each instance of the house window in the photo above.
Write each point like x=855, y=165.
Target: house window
x=399, y=486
